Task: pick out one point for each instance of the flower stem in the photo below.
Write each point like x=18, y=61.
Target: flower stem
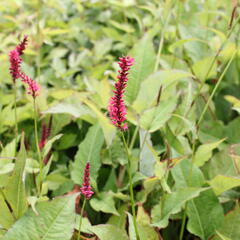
x=15, y=109
x=37, y=144
x=131, y=187
x=81, y=217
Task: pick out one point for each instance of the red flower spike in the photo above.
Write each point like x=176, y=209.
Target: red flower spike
x=86, y=188
x=116, y=108
x=15, y=64
x=33, y=87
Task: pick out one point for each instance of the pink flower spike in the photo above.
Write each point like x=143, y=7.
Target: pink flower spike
x=33, y=87
x=22, y=46
x=116, y=108
x=86, y=188
x=15, y=64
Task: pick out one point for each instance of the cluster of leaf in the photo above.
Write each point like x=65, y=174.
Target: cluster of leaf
x=183, y=134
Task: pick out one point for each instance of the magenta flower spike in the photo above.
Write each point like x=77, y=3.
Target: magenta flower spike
x=33, y=87
x=86, y=189
x=15, y=59
x=15, y=64
x=116, y=108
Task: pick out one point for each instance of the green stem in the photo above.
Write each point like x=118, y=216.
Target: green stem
x=131, y=187
x=183, y=225
x=15, y=109
x=37, y=145
x=81, y=217
x=134, y=138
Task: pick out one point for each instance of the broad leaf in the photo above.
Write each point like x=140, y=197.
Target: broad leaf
x=171, y=204
x=104, y=203
x=144, y=55
x=55, y=221
x=204, y=152
x=205, y=215
x=156, y=117
x=104, y=231
x=88, y=151
x=230, y=227
x=150, y=88
x=222, y=183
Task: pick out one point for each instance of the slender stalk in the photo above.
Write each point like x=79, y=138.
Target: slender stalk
x=81, y=217
x=131, y=187
x=183, y=225
x=37, y=145
x=15, y=109
x=134, y=137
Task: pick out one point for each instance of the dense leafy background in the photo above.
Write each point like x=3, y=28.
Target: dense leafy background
x=185, y=166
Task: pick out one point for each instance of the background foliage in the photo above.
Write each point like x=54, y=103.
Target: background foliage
x=183, y=109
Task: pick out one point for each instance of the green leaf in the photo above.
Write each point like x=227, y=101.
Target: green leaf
x=230, y=227
x=15, y=187
x=156, y=117
x=201, y=67
x=88, y=151
x=147, y=158
x=182, y=177
x=222, y=183
x=204, y=152
x=150, y=87
x=55, y=221
x=104, y=203
x=104, y=231
x=144, y=55
x=146, y=231
x=171, y=204
x=6, y=217
x=49, y=144
x=205, y=215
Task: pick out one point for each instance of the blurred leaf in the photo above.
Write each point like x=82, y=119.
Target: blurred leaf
x=104, y=203
x=205, y=215
x=222, y=183
x=204, y=152
x=201, y=68
x=147, y=159
x=230, y=230
x=103, y=231
x=150, y=87
x=50, y=224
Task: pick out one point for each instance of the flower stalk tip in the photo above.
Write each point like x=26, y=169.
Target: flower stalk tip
x=116, y=108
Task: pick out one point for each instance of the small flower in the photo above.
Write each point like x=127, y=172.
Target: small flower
x=116, y=108
x=15, y=64
x=86, y=188
x=33, y=87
